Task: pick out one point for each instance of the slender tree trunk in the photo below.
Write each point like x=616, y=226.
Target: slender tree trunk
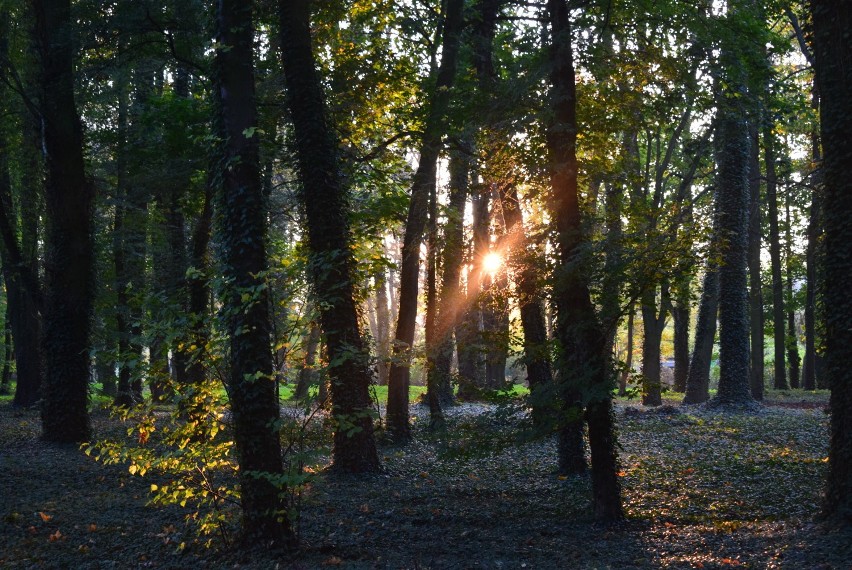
x=698, y=378
x=755, y=293
x=583, y=362
x=251, y=390
x=469, y=331
x=383, y=328
x=680, y=315
x=780, y=379
x=307, y=370
x=69, y=259
x=628, y=361
x=814, y=232
x=433, y=378
x=833, y=49
x=653, y=324
x=791, y=338
x=451, y=299
x=22, y=315
x=331, y=264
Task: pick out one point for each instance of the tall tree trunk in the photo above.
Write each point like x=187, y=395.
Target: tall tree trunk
x=383, y=328
x=814, y=232
x=69, y=259
x=628, y=360
x=584, y=362
x=424, y=179
x=791, y=338
x=22, y=313
x=251, y=387
x=733, y=148
x=755, y=293
x=780, y=379
x=833, y=49
x=469, y=331
x=432, y=337
x=451, y=299
x=331, y=264
x=307, y=369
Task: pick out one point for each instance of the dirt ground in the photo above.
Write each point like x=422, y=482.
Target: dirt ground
x=702, y=489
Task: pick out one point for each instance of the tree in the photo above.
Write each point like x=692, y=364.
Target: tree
x=325, y=200
x=423, y=181
x=583, y=362
x=251, y=387
x=69, y=260
x=733, y=149
x=833, y=51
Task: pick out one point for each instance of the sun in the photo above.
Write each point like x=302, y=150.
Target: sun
x=492, y=262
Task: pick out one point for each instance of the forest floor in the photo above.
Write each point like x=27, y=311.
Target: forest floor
x=702, y=488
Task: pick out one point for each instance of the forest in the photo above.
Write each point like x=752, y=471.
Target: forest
x=425, y=283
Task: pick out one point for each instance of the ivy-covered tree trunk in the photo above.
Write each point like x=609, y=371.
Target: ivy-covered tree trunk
x=424, y=179
x=779, y=376
x=331, y=264
x=733, y=148
x=583, y=364
x=755, y=289
x=814, y=267
x=833, y=49
x=432, y=337
x=251, y=387
x=69, y=259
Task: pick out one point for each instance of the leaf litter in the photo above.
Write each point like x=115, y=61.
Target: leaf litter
x=703, y=488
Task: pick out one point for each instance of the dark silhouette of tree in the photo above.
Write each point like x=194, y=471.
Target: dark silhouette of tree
x=69, y=271
x=583, y=363
x=251, y=387
x=326, y=206
x=833, y=50
x=424, y=180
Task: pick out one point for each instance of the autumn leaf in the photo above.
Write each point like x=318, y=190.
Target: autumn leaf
x=55, y=536
x=333, y=561
x=44, y=516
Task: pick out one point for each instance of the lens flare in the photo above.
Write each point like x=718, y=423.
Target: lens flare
x=492, y=262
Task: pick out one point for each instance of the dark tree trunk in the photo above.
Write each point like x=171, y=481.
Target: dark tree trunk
x=251, y=387
x=833, y=50
x=680, y=315
x=495, y=318
x=326, y=206
x=814, y=233
x=424, y=179
x=523, y=262
x=8, y=354
x=69, y=259
x=791, y=338
x=755, y=293
x=451, y=301
x=653, y=324
x=628, y=361
x=382, y=328
x=22, y=315
x=780, y=379
x=698, y=378
x=733, y=148
x=583, y=362
x=432, y=337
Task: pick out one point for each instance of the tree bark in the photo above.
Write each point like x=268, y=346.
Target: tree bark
x=733, y=148
x=653, y=324
x=791, y=338
x=331, y=264
x=424, y=178
x=69, y=259
x=833, y=49
x=583, y=362
x=698, y=378
x=251, y=387
x=755, y=293
x=779, y=336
